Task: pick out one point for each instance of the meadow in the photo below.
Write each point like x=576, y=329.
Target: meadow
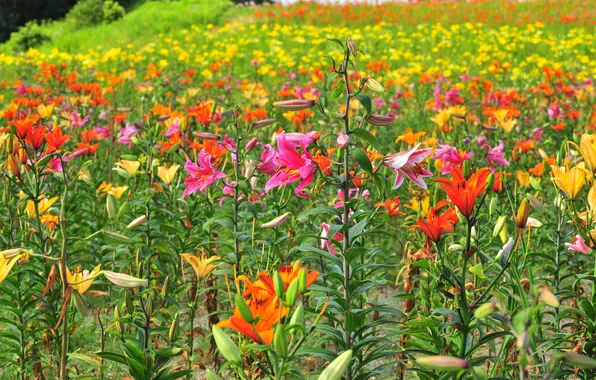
x=316, y=191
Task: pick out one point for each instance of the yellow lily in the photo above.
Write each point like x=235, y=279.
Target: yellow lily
x=117, y=191
x=7, y=260
x=167, y=174
x=81, y=281
x=44, y=205
x=201, y=264
x=570, y=181
x=130, y=166
x=587, y=147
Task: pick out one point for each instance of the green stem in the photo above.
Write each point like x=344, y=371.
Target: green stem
x=462, y=293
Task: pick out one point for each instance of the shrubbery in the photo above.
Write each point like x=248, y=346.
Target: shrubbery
x=92, y=12
x=31, y=35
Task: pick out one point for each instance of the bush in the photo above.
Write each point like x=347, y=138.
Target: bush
x=29, y=36
x=92, y=12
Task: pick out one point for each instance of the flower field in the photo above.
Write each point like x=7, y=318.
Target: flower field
x=316, y=191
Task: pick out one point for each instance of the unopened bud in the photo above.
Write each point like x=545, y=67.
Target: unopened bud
x=250, y=145
x=119, y=325
x=14, y=166
x=492, y=207
x=280, y=341
x=295, y=104
x=111, y=206
x=207, y=136
x=243, y=308
x=292, y=293
x=501, y=220
x=443, y=363
x=130, y=308
x=226, y=346
x=548, y=297
x=337, y=368
x=579, y=361
x=137, y=222
x=485, y=310
x=523, y=212
x=352, y=47
x=490, y=182
x=174, y=332
x=301, y=280
x=298, y=316
x=277, y=221
x=123, y=280
x=466, y=170
x=380, y=120
x=164, y=287
x=278, y=285
x=374, y=85
x=263, y=123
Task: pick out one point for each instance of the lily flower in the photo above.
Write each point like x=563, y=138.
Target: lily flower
x=200, y=176
x=293, y=165
x=437, y=224
x=81, y=281
x=570, y=181
x=7, y=261
x=407, y=164
x=463, y=192
x=587, y=147
x=202, y=265
x=495, y=155
x=392, y=205
x=578, y=245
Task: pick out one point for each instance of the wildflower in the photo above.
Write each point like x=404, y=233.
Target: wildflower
x=463, y=192
x=200, y=176
x=167, y=173
x=81, y=281
x=266, y=164
x=503, y=121
x=578, y=245
x=495, y=155
x=202, y=112
x=392, y=205
x=128, y=132
x=292, y=165
x=326, y=242
x=55, y=139
x=131, y=167
x=437, y=224
x=77, y=121
x=7, y=261
x=587, y=148
x=450, y=156
x=343, y=140
x=410, y=137
x=202, y=265
x=117, y=191
x=276, y=222
x=570, y=181
x=407, y=164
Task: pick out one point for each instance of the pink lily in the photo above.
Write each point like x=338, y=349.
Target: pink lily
x=495, y=155
x=326, y=242
x=266, y=165
x=578, y=245
x=172, y=129
x=450, y=156
x=76, y=120
x=128, y=132
x=407, y=164
x=200, y=176
x=292, y=165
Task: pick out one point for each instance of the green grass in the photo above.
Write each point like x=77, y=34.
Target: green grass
x=144, y=23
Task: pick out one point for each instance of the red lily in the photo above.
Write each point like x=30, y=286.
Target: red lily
x=463, y=192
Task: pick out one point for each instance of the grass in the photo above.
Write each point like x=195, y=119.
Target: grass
x=142, y=24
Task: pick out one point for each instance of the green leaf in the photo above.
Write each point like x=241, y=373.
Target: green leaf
x=363, y=161
x=367, y=136
x=365, y=101
x=338, y=42
x=113, y=357
x=307, y=214
x=85, y=358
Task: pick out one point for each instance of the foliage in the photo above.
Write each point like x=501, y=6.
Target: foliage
x=92, y=12
x=31, y=35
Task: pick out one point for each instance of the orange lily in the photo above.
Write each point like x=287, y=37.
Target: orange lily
x=392, y=205
x=436, y=224
x=463, y=192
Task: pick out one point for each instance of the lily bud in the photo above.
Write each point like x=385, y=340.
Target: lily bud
x=343, y=140
x=137, y=222
x=295, y=104
x=506, y=251
x=374, y=85
x=443, y=363
x=226, y=346
x=124, y=280
x=484, y=310
x=174, y=332
x=277, y=221
x=380, y=120
x=111, y=206
x=492, y=207
x=337, y=368
x=548, y=297
x=119, y=325
x=278, y=285
x=207, y=136
x=263, y=123
x=130, y=307
x=490, y=182
x=14, y=166
x=149, y=305
x=250, y=145
x=280, y=341
x=212, y=375
x=501, y=220
x=466, y=170
x=298, y=316
x=301, y=280
x=164, y=288
x=523, y=212
x=352, y=47
x=292, y=293
x=579, y=361
x=243, y=308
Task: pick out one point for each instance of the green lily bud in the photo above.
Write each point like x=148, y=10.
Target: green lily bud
x=280, y=341
x=337, y=368
x=492, y=207
x=128, y=303
x=501, y=220
x=302, y=280
x=292, y=293
x=443, y=363
x=124, y=280
x=226, y=346
x=579, y=361
x=484, y=310
x=174, y=332
x=119, y=325
x=111, y=206
x=352, y=47
x=466, y=170
x=278, y=285
x=243, y=309
x=149, y=305
x=164, y=288
x=298, y=316
x=490, y=181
